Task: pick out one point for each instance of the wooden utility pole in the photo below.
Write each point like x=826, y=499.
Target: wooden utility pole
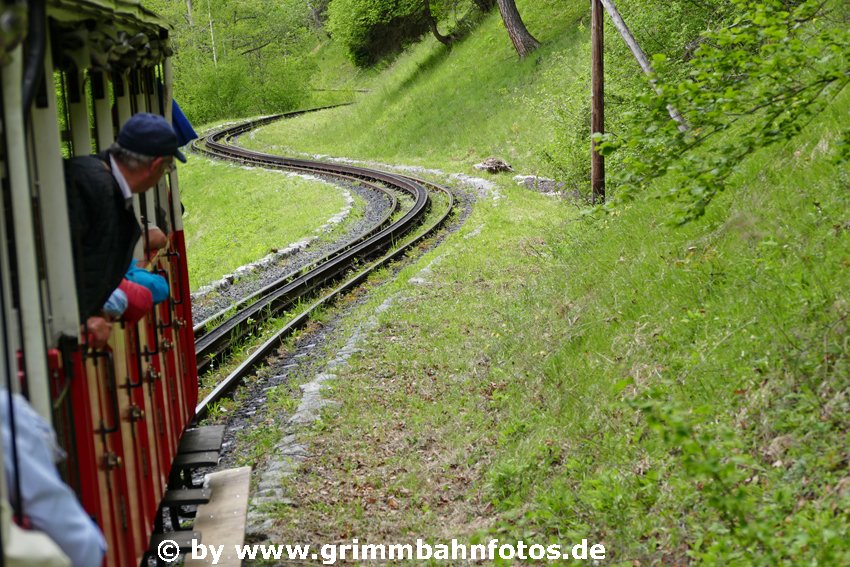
x=597, y=115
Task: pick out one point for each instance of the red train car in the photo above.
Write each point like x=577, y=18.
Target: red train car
x=73, y=71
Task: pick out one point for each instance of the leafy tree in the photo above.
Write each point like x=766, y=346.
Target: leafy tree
x=432, y=24
x=485, y=5
x=318, y=12
x=238, y=57
x=751, y=83
x=372, y=29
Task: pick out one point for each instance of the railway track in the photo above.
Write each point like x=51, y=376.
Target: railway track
x=344, y=267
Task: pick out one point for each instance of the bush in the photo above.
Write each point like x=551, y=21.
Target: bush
x=256, y=64
x=221, y=90
x=370, y=30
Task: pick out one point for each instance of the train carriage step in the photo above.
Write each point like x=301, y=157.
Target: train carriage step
x=185, y=463
x=186, y=496
x=202, y=439
x=195, y=460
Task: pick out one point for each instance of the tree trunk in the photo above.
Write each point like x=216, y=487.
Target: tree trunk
x=432, y=24
x=189, y=13
x=212, y=35
x=315, y=14
x=523, y=41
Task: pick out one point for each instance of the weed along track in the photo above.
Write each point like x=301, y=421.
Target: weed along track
x=396, y=232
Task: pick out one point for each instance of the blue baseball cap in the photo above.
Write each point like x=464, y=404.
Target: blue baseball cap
x=150, y=135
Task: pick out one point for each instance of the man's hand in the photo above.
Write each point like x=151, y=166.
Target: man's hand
x=98, y=329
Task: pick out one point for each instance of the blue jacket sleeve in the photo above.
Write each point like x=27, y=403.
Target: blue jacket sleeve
x=154, y=282
x=116, y=305
x=51, y=506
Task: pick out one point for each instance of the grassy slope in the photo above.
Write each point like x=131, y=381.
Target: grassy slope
x=337, y=80
x=234, y=217
x=671, y=392
x=452, y=108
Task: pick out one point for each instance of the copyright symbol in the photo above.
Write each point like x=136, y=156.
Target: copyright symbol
x=168, y=550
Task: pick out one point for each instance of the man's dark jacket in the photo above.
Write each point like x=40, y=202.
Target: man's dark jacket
x=104, y=230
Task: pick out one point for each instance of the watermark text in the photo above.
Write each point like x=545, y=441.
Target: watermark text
x=330, y=554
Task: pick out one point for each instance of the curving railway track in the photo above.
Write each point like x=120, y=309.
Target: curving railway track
x=345, y=266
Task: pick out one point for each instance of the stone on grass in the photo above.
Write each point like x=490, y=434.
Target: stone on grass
x=493, y=165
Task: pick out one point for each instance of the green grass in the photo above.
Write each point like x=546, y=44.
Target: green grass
x=235, y=216
x=452, y=108
x=678, y=394
x=675, y=393
x=336, y=80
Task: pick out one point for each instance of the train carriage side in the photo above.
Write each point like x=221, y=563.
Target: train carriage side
x=72, y=73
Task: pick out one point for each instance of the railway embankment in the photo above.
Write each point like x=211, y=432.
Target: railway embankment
x=676, y=393
x=548, y=376
x=232, y=214
x=543, y=373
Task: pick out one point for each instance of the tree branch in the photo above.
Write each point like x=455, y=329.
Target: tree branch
x=642, y=59
x=253, y=49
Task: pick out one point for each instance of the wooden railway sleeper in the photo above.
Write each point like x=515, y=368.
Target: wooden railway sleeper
x=215, y=343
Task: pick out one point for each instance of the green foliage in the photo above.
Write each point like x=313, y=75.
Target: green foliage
x=507, y=108
x=566, y=152
x=236, y=87
x=698, y=377
x=844, y=148
x=758, y=78
x=237, y=58
x=671, y=28
x=370, y=30
x=680, y=393
x=747, y=515
x=220, y=90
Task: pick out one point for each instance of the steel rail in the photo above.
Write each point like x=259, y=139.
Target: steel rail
x=279, y=296
x=201, y=328
x=256, y=358
x=288, y=289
